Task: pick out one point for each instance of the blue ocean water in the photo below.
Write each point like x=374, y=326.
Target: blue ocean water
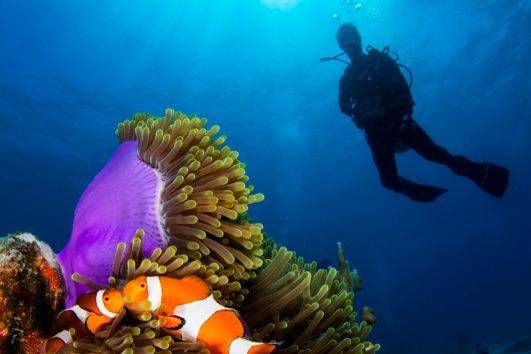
x=435, y=274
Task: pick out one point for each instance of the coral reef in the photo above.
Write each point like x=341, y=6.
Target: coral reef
x=308, y=309
x=31, y=293
x=171, y=177
x=351, y=278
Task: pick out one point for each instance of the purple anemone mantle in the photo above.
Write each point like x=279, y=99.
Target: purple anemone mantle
x=122, y=198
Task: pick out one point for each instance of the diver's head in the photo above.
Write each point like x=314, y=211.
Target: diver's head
x=349, y=40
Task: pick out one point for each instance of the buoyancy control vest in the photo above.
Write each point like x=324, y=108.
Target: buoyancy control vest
x=378, y=87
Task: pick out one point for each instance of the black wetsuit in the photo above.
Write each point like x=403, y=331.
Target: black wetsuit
x=375, y=94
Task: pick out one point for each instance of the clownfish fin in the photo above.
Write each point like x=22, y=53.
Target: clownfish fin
x=95, y=323
x=173, y=322
x=264, y=348
x=196, y=285
x=246, y=346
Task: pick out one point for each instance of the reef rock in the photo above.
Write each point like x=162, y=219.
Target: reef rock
x=32, y=292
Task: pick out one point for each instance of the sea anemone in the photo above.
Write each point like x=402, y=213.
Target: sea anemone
x=309, y=309
x=291, y=302
x=173, y=178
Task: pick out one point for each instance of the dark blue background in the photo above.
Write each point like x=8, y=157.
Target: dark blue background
x=70, y=70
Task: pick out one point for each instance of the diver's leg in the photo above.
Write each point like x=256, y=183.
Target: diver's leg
x=491, y=178
x=384, y=160
x=416, y=138
x=382, y=149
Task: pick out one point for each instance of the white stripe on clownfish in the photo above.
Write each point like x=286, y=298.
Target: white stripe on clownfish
x=101, y=305
x=81, y=314
x=195, y=314
x=241, y=345
x=65, y=336
x=154, y=289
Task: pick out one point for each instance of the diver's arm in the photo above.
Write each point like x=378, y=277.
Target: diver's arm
x=345, y=98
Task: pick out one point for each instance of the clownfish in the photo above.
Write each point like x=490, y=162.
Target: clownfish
x=188, y=306
x=57, y=342
x=92, y=312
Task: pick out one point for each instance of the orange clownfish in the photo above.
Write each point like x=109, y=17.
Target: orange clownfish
x=92, y=312
x=187, y=305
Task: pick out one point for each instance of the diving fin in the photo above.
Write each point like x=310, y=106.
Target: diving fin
x=492, y=179
x=422, y=193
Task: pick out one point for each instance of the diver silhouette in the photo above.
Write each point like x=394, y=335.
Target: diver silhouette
x=375, y=94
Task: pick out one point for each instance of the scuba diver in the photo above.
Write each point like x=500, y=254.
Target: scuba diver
x=375, y=94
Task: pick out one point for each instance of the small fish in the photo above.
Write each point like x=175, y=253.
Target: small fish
x=369, y=316
x=188, y=306
x=92, y=312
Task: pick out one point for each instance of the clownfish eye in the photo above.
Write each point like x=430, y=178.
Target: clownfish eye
x=106, y=298
x=142, y=285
